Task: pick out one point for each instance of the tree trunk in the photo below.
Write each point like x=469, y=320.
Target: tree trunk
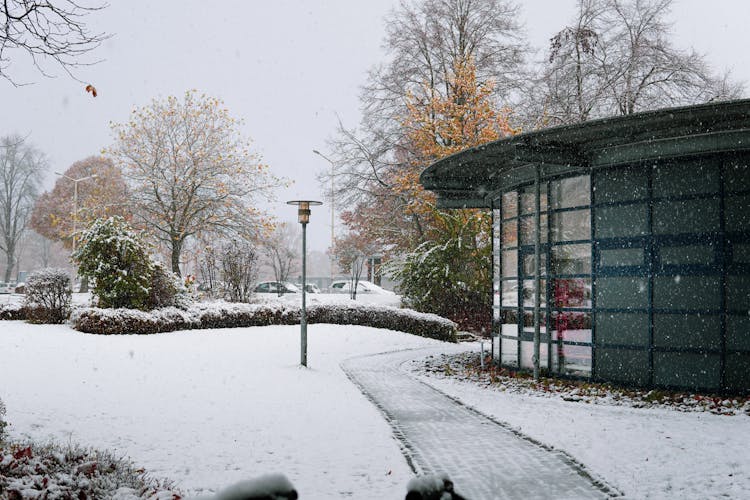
x=176, y=251
x=10, y=263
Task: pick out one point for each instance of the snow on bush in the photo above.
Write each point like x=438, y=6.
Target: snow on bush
x=47, y=298
x=240, y=315
x=431, y=487
x=12, y=312
x=270, y=486
x=52, y=471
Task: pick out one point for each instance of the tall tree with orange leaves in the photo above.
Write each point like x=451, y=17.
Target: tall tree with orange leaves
x=447, y=272
x=191, y=172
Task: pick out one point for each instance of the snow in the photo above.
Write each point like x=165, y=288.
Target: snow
x=645, y=453
x=210, y=408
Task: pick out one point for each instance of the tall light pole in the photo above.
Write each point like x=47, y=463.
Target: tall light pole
x=303, y=214
x=75, y=200
x=333, y=232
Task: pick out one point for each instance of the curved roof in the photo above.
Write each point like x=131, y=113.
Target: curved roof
x=469, y=178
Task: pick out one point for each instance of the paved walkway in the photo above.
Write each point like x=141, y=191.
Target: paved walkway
x=483, y=458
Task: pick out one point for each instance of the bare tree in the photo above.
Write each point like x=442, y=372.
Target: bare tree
x=21, y=169
x=616, y=58
x=239, y=269
x=191, y=172
x=281, y=250
x=46, y=31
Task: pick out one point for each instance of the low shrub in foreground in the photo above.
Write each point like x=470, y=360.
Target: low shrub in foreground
x=12, y=312
x=47, y=298
x=236, y=315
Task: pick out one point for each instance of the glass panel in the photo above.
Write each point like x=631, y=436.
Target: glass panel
x=509, y=320
x=510, y=263
x=622, y=328
x=620, y=185
x=528, y=264
x=689, y=254
x=736, y=373
x=508, y=352
x=741, y=253
x=527, y=230
x=682, y=369
x=568, y=226
x=572, y=359
x=622, y=293
x=738, y=293
x=570, y=192
x=528, y=324
x=527, y=354
x=618, y=257
x=528, y=293
x=622, y=365
x=571, y=259
x=685, y=179
x=510, y=234
x=510, y=293
x=686, y=216
x=738, y=331
x=571, y=326
x=510, y=204
x=737, y=178
x=528, y=195
x=572, y=292
x=692, y=331
x=629, y=220
x=737, y=213
x=687, y=292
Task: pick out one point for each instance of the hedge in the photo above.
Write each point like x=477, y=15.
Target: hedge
x=12, y=312
x=235, y=315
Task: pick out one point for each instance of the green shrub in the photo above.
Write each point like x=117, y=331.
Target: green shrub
x=47, y=298
x=115, y=257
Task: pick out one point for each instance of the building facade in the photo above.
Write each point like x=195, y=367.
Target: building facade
x=643, y=238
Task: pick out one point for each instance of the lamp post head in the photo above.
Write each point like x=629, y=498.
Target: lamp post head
x=303, y=212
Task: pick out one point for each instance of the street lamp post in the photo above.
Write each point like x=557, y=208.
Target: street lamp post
x=333, y=233
x=75, y=200
x=303, y=214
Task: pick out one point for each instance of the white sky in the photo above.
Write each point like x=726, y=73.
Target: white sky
x=286, y=67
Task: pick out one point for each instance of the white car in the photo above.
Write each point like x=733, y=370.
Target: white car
x=5, y=287
x=362, y=287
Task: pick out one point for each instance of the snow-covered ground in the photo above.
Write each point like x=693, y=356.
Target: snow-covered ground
x=210, y=408
x=645, y=453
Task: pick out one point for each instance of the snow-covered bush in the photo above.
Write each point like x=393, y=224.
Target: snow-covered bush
x=2, y=421
x=116, y=257
x=239, y=315
x=47, y=298
x=166, y=289
x=239, y=269
x=12, y=312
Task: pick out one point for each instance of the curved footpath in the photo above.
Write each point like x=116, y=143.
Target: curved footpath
x=484, y=458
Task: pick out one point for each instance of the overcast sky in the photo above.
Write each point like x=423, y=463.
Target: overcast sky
x=285, y=67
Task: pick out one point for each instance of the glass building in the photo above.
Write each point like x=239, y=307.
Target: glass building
x=643, y=242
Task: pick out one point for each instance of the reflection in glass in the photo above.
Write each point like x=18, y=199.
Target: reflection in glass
x=510, y=234
x=528, y=195
x=571, y=259
x=572, y=359
x=570, y=226
x=528, y=293
x=618, y=257
x=510, y=263
x=510, y=293
x=509, y=319
x=510, y=204
x=509, y=352
x=527, y=354
x=571, y=326
x=572, y=292
x=527, y=230
x=570, y=192
x=528, y=265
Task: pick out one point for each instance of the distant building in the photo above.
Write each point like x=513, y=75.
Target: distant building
x=644, y=240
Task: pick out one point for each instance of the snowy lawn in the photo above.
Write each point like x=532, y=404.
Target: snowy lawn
x=645, y=453
x=207, y=408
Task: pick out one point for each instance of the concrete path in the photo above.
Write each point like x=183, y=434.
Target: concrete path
x=484, y=459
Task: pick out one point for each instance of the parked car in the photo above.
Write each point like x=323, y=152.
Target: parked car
x=362, y=287
x=276, y=287
x=5, y=287
x=309, y=288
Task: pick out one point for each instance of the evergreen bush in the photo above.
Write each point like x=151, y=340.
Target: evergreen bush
x=47, y=298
